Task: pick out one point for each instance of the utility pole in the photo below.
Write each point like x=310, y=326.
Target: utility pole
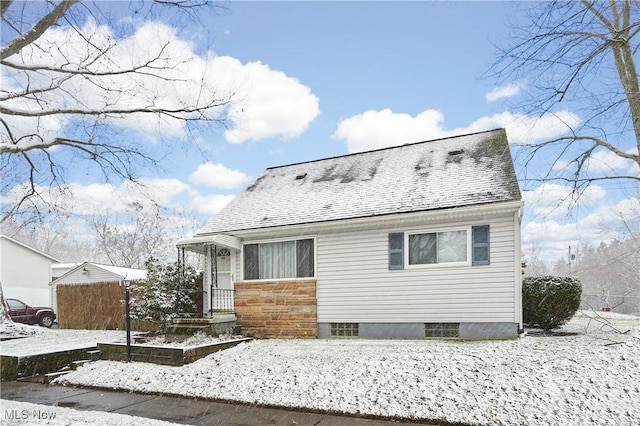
x=571, y=258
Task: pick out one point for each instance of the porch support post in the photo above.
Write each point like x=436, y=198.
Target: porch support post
x=213, y=253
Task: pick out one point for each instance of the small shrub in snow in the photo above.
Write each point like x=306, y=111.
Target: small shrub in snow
x=549, y=301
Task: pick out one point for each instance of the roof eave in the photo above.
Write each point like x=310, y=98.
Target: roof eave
x=387, y=220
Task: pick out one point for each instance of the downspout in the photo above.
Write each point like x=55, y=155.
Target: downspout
x=518, y=267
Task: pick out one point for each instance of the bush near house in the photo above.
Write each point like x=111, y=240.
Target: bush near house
x=549, y=301
x=168, y=292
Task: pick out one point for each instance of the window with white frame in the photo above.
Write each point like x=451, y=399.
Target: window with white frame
x=281, y=259
x=438, y=247
x=430, y=248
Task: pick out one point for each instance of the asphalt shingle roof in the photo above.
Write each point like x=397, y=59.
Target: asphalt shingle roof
x=451, y=172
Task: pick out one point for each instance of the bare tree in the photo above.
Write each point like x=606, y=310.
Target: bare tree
x=4, y=314
x=611, y=275
x=130, y=240
x=75, y=92
x=579, y=55
x=78, y=94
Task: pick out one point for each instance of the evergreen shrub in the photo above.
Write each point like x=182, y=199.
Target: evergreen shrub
x=168, y=292
x=549, y=301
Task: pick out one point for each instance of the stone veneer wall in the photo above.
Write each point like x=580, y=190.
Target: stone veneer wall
x=277, y=309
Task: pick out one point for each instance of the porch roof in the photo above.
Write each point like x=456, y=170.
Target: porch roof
x=199, y=244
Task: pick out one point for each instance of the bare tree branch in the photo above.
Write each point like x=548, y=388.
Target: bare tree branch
x=36, y=32
x=75, y=97
x=582, y=57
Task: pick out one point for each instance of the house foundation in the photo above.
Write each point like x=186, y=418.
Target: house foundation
x=419, y=330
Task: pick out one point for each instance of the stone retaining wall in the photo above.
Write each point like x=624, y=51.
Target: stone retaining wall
x=277, y=309
x=164, y=355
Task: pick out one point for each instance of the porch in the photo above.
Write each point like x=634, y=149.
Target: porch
x=218, y=252
x=222, y=301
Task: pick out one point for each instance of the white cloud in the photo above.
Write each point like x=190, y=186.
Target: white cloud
x=605, y=161
x=503, y=92
x=552, y=200
x=550, y=240
x=211, y=204
x=97, y=198
x=216, y=175
x=379, y=129
x=265, y=102
x=525, y=129
x=271, y=104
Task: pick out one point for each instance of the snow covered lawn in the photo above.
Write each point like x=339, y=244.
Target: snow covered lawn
x=589, y=378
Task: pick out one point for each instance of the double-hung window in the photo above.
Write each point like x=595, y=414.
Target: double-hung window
x=440, y=247
x=277, y=260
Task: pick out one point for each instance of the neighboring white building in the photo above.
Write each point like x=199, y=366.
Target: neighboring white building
x=414, y=241
x=25, y=272
x=59, y=269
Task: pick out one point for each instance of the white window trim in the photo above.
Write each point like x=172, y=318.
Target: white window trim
x=467, y=262
x=279, y=240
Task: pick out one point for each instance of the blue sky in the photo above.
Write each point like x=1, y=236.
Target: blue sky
x=321, y=79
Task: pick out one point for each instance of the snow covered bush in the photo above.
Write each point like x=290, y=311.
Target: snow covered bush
x=549, y=301
x=168, y=292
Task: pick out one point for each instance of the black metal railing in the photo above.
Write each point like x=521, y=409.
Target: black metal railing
x=222, y=300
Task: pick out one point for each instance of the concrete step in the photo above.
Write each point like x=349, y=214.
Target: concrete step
x=189, y=329
x=94, y=355
x=49, y=377
x=217, y=318
x=79, y=363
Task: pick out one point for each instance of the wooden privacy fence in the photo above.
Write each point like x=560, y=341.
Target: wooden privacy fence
x=99, y=306
x=96, y=306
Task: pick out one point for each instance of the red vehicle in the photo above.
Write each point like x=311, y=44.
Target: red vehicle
x=21, y=312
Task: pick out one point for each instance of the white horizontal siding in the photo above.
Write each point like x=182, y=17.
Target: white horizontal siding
x=355, y=284
x=93, y=275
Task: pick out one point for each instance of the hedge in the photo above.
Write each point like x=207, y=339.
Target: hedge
x=549, y=301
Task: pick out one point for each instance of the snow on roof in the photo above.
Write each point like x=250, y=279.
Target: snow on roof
x=65, y=265
x=128, y=273
x=121, y=272
x=444, y=173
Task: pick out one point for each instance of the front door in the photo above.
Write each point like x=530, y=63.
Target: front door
x=222, y=283
x=224, y=268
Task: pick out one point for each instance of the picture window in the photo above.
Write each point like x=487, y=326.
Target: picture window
x=282, y=259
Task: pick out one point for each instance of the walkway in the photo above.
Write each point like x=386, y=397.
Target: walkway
x=171, y=409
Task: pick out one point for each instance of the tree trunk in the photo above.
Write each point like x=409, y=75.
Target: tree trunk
x=4, y=309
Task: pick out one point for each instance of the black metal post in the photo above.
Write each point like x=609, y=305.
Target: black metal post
x=127, y=284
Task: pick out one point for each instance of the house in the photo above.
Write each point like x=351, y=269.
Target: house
x=89, y=294
x=25, y=272
x=414, y=241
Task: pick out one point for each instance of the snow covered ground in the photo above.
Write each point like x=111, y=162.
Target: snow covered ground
x=589, y=378
x=45, y=340
x=9, y=329
x=592, y=377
